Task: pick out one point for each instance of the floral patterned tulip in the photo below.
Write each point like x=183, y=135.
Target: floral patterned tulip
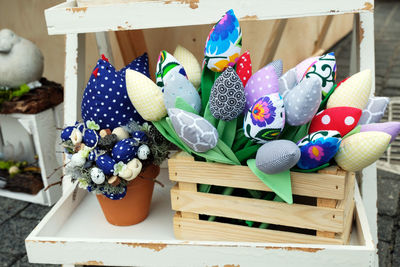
x=224, y=43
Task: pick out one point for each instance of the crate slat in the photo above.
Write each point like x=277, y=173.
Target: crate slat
x=316, y=185
x=190, y=229
x=295, y=215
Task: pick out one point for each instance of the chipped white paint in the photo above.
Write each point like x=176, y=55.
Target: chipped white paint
x=364, y=57
x=152, y=243
x=68, y=18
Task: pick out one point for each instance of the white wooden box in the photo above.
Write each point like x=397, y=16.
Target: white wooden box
x=37, y=134
x=75, y=232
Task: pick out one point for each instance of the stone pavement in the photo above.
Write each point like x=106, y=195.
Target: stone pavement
x=17, y=218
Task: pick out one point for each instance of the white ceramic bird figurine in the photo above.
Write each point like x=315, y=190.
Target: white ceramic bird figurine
x=21, y=61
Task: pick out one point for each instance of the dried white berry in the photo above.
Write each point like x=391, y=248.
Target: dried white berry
x=143, y=152
x=97, y=175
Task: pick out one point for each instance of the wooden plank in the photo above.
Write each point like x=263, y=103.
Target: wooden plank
x=190, y=188
x=44, y=136
x=273, y=42
x=302, y=216
x=103, y=46
x=348, y=206
x=323, y=33
x=189, y=229
x=67, y=18
x=314, y=185
x=329, y=203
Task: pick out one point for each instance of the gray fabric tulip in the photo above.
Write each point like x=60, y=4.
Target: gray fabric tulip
x=302, y=102
x=194, y=130
x=227, y=99
x=277, y=156
x=287, y=82
x=374, y=111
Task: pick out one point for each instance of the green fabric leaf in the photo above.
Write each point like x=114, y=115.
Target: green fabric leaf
x=240, y=140
x=301, y=132
x=182, y=104
x=207, y=81
x=165, y=127
x=221, y=127
x=357, y=129
x=227, y=151
x=247, y=152
x=326, y=98
x=209, y=117
x=229, y=132
x=295, y=133
x=311, y=170
x=167, y=136
x=280, y=183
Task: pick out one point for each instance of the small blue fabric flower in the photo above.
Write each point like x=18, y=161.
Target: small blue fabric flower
x=93, y=154
x=125, y=150
x=106, y=164
x=90, y=138
x=66, y=133
x=116, y=196
x=318, y=152
x=140, y=136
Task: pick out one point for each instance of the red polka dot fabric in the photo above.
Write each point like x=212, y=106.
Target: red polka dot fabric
x=341, y=119
x=243, y=67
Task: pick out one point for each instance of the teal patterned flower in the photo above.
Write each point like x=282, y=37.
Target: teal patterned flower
x=224, y=43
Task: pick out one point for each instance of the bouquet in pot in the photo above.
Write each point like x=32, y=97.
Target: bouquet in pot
x=114, y=152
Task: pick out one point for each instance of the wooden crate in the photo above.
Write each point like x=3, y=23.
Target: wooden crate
x=328, y=211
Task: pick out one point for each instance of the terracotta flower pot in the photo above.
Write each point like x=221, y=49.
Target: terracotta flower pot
x=135, y=206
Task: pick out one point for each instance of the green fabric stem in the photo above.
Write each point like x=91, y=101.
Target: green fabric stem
x=227, y=151
x=221, y=127
x=295, y=133
x=204, y=188
x=325, y=99
x=229, y=132
x=207, y=81
x=247, y=152
x=183, y=105
x=354, y=131
x=209, y=117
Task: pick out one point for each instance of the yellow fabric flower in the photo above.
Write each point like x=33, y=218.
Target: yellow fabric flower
x=190, y=64
x=361, y=150
x=145, y=96
x=353, y=92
